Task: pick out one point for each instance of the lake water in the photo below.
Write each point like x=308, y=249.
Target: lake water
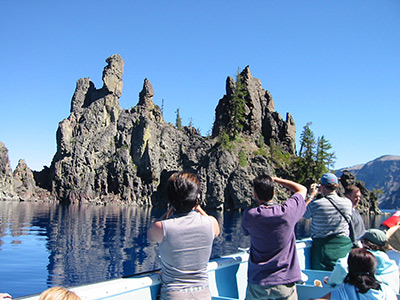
x=48, y=244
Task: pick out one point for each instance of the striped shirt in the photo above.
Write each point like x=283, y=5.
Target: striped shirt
x=326, y=220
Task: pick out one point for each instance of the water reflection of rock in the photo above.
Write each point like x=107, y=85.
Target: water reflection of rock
x=89, y=243
x=231, y=237
x=15, y=219
x=86, y=243
x=93, y=243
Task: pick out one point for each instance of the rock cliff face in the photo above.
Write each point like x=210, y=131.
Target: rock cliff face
x=109, y=154
x=19, y=185
x=260, y=115
x=105, y=153
x=86, y=142
x=6, y=178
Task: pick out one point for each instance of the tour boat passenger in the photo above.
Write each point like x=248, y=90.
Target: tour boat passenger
x=58, y=293
x=185, y=234
x=331, y=217
x=360, y=283
x=387, y=270
x=273, y=267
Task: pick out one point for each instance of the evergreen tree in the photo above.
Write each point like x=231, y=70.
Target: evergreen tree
x=307, y=142
x=238, y=107
x=305, y=162
x=178, y=119
x=324, y=159
x=314, y=158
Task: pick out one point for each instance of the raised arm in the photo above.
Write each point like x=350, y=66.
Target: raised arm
x=314, y=188
x=155, y=232
x=216, y=228
x=291, y=185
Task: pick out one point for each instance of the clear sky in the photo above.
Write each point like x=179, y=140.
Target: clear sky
x=333, y=63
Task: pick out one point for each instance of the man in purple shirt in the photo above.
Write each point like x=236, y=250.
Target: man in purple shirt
x=273, y=268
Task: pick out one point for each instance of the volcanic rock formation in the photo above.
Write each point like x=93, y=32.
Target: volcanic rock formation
x=109, y=154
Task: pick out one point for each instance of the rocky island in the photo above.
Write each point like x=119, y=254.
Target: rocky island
x=106, y=154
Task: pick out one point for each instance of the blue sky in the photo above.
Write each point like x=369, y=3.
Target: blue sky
x=333, y=63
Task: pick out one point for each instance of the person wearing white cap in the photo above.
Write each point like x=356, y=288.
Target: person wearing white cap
x=330, y=231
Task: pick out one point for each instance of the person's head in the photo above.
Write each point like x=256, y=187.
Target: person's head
x=361, y=270
x=375, y=239
x=392, y=239
x=263, y=187
x=354, y=194
x=58, y=293
x=329, y=183
x=183, y=191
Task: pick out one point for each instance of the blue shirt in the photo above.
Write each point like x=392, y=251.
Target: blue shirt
x=386, y=270
x=346, y=291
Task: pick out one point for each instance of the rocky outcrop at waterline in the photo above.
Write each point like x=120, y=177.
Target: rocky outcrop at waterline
x=109, y=154
x=105, y=153
x=6, y=178
x=19, y=185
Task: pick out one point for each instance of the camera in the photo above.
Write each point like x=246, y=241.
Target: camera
x=316, y=185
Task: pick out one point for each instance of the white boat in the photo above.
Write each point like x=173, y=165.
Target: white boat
x=227, y=279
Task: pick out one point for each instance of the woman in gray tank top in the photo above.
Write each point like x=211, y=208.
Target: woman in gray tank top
x=185, y=234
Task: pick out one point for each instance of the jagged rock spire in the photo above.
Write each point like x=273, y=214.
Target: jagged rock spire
x=24, y=182
x=147, y=93
x=82, y=93
x=6, y=187
x=260, y=117
x=86, y=93
x=112, y=75
x=107, y=154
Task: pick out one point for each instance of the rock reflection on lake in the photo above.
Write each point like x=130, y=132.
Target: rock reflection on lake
x=48, y=244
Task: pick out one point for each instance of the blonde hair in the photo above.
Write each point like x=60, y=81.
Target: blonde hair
x=58, y=293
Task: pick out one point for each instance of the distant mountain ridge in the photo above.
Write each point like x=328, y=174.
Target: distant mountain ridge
x=381, y=173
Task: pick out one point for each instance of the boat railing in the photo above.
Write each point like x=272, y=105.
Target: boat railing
x=227, y=280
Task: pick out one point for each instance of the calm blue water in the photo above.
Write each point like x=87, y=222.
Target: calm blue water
x=48, y=244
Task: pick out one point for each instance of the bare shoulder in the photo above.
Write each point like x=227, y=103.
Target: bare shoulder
x=155, y=233
x=215, y=224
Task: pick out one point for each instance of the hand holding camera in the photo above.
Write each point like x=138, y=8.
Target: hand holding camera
x=314, y=188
